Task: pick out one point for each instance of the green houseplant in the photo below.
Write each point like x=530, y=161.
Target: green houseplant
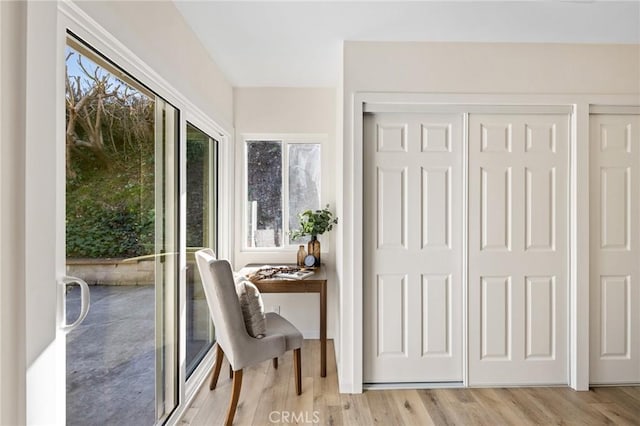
x=314, y=223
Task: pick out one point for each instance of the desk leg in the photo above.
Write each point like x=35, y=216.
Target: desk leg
x=323, y=330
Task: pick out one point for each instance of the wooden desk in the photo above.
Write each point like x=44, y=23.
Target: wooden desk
x=316, y=283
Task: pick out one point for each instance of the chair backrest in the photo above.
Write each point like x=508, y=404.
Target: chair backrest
x=220, y=292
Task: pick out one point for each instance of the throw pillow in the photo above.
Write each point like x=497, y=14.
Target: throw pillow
x=252, y=309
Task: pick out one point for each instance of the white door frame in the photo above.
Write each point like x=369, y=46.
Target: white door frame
x=351, y=294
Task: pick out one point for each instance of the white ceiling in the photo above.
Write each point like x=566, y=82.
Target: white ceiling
x=275, y=44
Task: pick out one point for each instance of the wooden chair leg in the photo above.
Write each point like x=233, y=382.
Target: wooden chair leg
x=275, y=363
x=235, y=395
x=216, y=368
x=297, y=366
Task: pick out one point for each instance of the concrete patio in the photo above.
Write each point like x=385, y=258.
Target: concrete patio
x=111, y=358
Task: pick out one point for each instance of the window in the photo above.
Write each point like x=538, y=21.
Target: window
x=282, y=179
x=202, y=219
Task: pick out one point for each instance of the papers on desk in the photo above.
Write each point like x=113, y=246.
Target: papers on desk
x=299, y=275
x=284, y=272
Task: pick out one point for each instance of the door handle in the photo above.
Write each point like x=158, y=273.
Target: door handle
x=85, y=300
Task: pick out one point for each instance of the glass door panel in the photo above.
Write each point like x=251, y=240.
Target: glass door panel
x=121, y=238
x=201, y=221
x=166, y=257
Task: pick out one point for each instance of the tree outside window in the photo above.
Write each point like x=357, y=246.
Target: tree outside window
x=282, y=180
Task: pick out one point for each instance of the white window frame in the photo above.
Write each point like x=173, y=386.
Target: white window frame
x=285, y=140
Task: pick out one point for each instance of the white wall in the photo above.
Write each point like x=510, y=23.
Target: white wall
x=491, y=68
x=455, y=68
x=32, y=120
x=291, y=111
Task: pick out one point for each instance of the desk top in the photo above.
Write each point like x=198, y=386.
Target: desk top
x=319, y=274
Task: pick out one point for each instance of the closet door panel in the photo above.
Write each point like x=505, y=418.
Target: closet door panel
x=614, y=255
x=412, y=248
x=518, y=178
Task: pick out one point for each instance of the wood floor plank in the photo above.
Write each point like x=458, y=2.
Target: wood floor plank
x=215, y=405
x=383, y=410
x=534, y=409
x=355, y=409
x=333, y=416
x=274, y=394
x=298, y=409
x=503, y=407
x=625, y=404
x=632, y=391
x=266, y=392
x=252, y=386
x=622, y=397
x=325, y=387
x=434, y=407
x=412, y=410
x=476, y=412
x=617, y=416
x=568, y=406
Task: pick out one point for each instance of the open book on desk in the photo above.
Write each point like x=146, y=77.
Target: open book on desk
x=298, y=275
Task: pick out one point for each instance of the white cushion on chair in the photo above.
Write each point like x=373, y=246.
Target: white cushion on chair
x=252, y=308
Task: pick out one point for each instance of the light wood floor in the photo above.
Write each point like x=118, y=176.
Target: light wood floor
x=268, y=397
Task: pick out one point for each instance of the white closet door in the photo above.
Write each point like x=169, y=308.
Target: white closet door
x=614, y=257
x=518, y=277
x=412, y=248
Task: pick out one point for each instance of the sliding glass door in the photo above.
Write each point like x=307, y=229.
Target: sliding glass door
x=123, y=237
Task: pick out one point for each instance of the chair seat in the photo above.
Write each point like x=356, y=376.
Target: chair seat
x=278, y=325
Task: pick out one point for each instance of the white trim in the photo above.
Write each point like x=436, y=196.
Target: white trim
x=579, y=249
x=467, y=108
x=285, y=139
x=614, y=109
x=182, y=262
x=357, y=232
x=465, y=249
x=42, y=150
x=196, y=381
x=289, y=137
x=61, y=180
x=351, y=311
x=2, y=202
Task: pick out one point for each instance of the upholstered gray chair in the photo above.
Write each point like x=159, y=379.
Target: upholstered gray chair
x=232, y=337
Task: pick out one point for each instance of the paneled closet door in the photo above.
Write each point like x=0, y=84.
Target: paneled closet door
x=412, y=248
x=615, y=255
x=518, y=280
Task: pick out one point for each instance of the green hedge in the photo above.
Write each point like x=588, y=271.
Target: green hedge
x=97, y=231
x=110, y=202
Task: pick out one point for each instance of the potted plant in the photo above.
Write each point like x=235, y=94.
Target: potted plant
x=314, y=223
